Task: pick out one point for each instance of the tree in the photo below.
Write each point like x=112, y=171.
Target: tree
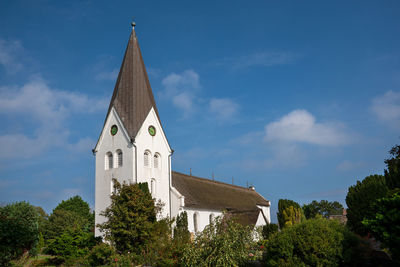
x=222, y=243
x=18, y=230
x=181, y=231
x=80, y=208
x=360, y=198
x=392, y=173
x=130, y=218
x=269, y=229
x=62, y=220
x=385, y=224
x=315, y=242
x=289, y=212
x=324, y=208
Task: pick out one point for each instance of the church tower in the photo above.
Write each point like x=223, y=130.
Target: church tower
x=132, y=146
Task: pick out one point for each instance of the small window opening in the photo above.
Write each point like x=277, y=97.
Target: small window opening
x=195, y=218
x=109, y=161
x=147, y=159
x=156, y=161
x=119, y=158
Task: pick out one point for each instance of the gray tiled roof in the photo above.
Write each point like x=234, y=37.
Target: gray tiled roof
x=207, y=194
x=132, y=97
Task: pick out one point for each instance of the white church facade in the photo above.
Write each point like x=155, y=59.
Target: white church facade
x=133, y=147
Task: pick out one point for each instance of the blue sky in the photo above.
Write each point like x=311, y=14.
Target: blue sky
x=300, y=99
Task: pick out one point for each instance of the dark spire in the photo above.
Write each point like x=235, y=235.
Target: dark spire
x=133, y=97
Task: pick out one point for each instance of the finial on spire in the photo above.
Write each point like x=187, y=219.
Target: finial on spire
x=133, y=23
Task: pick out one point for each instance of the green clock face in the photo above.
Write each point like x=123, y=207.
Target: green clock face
x=114, y=130
x=152, y=130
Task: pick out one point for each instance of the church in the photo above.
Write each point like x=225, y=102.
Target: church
x=134, y=148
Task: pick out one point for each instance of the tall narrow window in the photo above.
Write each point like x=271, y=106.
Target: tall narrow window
x=109, y=161
x=113, y=190
x=153, y=187
x=211, y=218
x=119, y=158
x=195, y=218
x=147, y=158
x=156, y=161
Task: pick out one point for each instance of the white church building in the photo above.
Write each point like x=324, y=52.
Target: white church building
x=133, y=147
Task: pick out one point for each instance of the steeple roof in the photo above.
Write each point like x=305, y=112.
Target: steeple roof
x=132, y=97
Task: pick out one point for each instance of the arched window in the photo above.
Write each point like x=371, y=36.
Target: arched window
x=109, y=161
x=119, y=158
x=147, y=156
x=157, y=162
x=195, y=218
x=153, y=187
x=113, y=190
x=211, y=218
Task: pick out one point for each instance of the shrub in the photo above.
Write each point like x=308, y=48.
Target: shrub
x=71, y=244
x=224, y=243
x=18, y=230
x=316, y=242
x=101, y=254
x=269, y=229
x=385, y=224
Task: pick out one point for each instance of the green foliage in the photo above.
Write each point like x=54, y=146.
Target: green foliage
x=43, y=218
x=71, y=244
x=223, y=243
x=101, y=254
x=392, y=173
x=385, y=224
x=60, y=220
x=18, y=230
x=130, y=218
x=324, y=208
x=360, y=198
x=80, y=208
x=315, y=242
x=269, y=229
x=289, y=213
x=181, y=232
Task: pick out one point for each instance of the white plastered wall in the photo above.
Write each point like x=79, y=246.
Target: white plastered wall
x=203, y=218
x=155, y=144
x=266, y=211
x=108, y=143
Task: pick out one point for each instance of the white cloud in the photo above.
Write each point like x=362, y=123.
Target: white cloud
x=223, y=108
x=9, y=51
x=181, y=89
x=50, y=108
x=387, y=107
x=301, y=126
x=107, y=75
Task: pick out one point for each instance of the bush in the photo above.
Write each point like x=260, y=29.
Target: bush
x=224, y=243
x=316, y=242
x=101, y=254
x=385, y=224
x=18, y=231
x=71, y=244
x=269, y=229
